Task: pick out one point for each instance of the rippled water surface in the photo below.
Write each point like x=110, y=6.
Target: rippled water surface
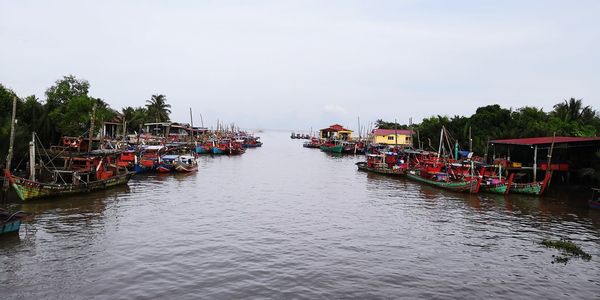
x=287, y=222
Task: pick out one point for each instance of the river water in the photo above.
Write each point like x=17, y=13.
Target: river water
x=286, y=222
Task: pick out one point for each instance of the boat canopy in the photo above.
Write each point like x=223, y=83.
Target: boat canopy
x=170, y=157
x=155, y=148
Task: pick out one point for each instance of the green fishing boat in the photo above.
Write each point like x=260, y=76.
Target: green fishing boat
x=469, y=185
x=535, y=188
x=332, y=147
x=501, y=188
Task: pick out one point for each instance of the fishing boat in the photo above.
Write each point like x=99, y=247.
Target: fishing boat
x=492, y=179
x=251, y=142
x=236, y=147
x=185, y=164
x=313, y=143
x=535, y=188
x=594, y=202
x=442, y=180
x=10, y=222
x=149, y=159
x=166, y=163
x=204, y=148
x=128, y=159
x=95, y=170
x=332, y=146
x=387, y=164
x=220, y=147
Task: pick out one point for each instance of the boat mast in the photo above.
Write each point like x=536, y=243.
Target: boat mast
x=11, y=143
x=32, y=157
x=396, y=132
x=92, y=127
x=359, y=131
x=192, y=125
x=441, y=141
x=471, y=152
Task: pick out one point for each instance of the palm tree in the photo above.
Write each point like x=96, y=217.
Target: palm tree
x=158, y=108
x=573, y=110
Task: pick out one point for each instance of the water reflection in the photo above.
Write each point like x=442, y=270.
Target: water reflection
x=283, y=221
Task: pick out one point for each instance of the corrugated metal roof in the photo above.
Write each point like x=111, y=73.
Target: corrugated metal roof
x=546, y=140
x=335, y=128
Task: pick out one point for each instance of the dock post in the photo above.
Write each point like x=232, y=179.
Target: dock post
x=535, y=163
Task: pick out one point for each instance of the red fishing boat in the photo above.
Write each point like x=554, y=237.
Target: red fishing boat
x=86, y=172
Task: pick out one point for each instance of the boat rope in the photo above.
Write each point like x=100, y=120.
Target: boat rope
x=51, y=160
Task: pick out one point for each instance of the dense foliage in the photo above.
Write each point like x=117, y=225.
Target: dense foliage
x=67, y=111
x=568, y=118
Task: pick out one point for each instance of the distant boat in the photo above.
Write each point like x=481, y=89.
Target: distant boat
x=251, y=142
x=313, y=143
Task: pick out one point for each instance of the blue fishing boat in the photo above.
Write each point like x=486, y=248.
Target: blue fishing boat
x=10, y=222
x=166, y=163
x=149, y=159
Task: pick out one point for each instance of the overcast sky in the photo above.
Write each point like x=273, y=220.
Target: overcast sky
x=301, y=64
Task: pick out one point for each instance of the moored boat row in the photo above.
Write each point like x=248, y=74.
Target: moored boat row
x=450, y=171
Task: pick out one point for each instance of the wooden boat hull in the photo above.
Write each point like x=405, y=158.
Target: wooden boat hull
x=182, y=168
x=501, y=188
x=27, y=190
x=203, y=150
x=594, y=204
x=252, y=145
x=362, y=166
x=10, y=226
x=471, y=186
x=311, y=146
x=164, y=168
x=139, y=169
x=216, y=150
x=332, y=149
x=534, y=188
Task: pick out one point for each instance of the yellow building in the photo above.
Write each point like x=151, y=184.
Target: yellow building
x=392, y=137
x=336, y=131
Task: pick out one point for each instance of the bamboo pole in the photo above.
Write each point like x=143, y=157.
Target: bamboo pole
x=92, y=127
x=11, y=142
x=192, y=125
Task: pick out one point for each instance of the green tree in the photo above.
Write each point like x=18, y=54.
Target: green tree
x=158, y=109
x=572, y=110
x=69, y=107
x=135, y=117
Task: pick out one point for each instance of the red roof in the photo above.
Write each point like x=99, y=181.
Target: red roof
x=392, y=131
x=335, y=128
x=546, y=140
